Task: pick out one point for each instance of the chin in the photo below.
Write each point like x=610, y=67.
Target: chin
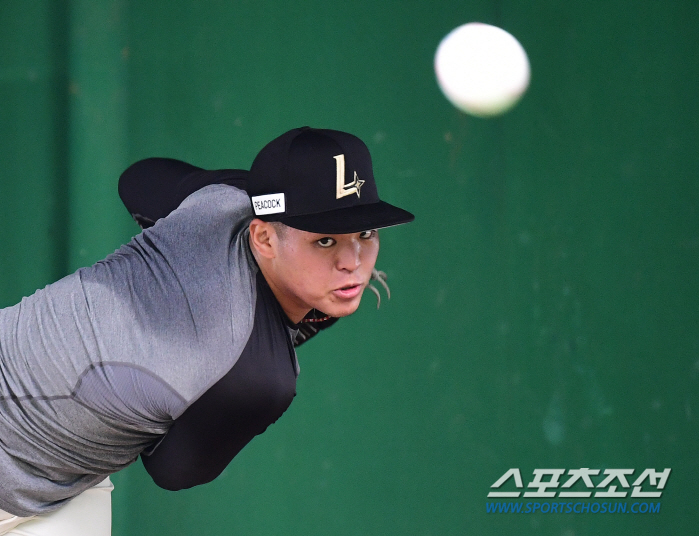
x=339, y=310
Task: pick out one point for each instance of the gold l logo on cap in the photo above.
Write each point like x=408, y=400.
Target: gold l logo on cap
x=342, y=188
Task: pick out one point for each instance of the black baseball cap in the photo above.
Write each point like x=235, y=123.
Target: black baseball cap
x=321, y=181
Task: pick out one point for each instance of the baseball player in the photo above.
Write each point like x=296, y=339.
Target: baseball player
x=180, y=346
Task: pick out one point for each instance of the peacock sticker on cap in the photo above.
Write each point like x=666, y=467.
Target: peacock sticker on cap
x=268, y=204
x=345, y=189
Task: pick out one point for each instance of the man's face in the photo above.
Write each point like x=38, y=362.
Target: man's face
x=325, y=272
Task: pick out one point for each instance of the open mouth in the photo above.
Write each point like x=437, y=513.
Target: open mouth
x=348, y=291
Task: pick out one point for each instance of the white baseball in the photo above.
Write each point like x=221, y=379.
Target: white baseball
x=482, y=69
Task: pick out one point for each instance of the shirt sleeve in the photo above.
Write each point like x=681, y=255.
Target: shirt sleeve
x=153, y=188
x=204, y=439
x=253, y=394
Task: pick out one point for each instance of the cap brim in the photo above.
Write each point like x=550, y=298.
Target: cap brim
x=349, y=220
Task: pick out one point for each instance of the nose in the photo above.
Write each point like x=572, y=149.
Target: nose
x=349, y=256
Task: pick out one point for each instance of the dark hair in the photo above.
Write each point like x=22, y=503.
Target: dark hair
x=280, y=228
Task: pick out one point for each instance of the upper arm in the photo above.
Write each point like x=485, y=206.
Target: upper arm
x=154, y=187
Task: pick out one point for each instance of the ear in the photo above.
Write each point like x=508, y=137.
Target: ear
x=263, y=238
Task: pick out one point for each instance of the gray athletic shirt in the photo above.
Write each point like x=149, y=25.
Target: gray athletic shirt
x=95, y=367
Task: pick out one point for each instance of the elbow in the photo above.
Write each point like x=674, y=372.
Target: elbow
x=175, y=478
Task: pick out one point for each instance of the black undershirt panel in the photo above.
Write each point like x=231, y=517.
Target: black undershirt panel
x=251, y=396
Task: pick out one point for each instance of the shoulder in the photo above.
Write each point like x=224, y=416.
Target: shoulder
x=217, y=206
x=219, y=195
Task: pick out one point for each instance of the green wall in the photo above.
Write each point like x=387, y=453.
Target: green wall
x=544, y=310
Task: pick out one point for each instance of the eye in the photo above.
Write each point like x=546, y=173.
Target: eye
x=326, y=242
x=367, y=234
